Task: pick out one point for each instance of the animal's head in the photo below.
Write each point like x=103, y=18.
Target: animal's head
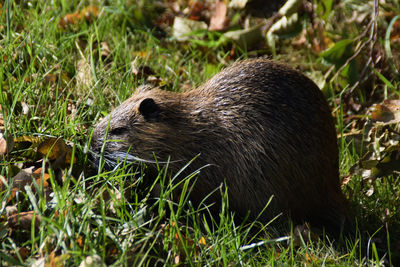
x=145, y=125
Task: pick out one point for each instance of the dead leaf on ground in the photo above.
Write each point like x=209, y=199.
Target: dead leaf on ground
x=105, y=51
x=2, y=182
x=23, y=253
x=55, y=149
x=89, y=14
x=11, y=210
x=42, y=180
x=56, y=261
x=346, y=180
x=195, y=10
x=247, y=37
x=388, y=111
x=1, y=119
x=183, y=28
x=6, y=144
x=25, y=177
x=50, y=79
x=219, y=21
x=21, y=179
x=24, y=220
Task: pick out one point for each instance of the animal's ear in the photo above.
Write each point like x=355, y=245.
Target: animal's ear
x=149, y=109
x=144, y=88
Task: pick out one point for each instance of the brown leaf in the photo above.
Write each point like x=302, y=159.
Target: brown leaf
x=24, y=220
x=346, y=180
x=24, y=177
x=2, y=182
x=23, y=252
x=20, y=180
x=105, y=49
x=57, y=151
x=195, y=10
x=183, y=28
x=69, y=19
x=56, y=261
x=90, y=13
x=1, y=119
x=50, y=79
x=388, y=111
x=395, y=34
x=6, y=144
x=11, y=210
x=219, y=21
x=53, y=148
x=382, y=113
x=37, y=174
x=27, y=138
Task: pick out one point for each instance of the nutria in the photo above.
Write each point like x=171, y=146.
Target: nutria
x=262, y=128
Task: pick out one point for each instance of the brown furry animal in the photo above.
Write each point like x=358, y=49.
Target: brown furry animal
x=265, y=129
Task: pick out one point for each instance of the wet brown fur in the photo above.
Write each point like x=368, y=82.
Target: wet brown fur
x=265, y=129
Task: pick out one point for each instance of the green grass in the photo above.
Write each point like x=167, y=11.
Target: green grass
x=60, y=82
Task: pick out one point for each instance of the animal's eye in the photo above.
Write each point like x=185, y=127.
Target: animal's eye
x=117, y=130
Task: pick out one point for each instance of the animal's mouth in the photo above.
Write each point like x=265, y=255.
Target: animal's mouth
x=113, y=160
x=110, y=161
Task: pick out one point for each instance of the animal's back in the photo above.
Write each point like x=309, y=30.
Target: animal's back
x=278, y=139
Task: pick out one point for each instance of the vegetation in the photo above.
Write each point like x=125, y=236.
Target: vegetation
x=65, y=64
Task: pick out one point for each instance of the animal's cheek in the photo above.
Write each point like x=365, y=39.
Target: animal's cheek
x=122, y=144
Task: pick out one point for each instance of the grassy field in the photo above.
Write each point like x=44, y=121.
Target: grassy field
x=65, y=64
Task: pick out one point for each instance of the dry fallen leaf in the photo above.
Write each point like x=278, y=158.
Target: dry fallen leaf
x=89, y=14
x=53, y=148
x=195, y=10
x=2, y=182
x=6, y=144
x=11, y=210
x=219, y=21
x=23, y=252
x=246, y=37
x=24, y=220
x=182, y=28
x=1, y=119
x=382, y=113
x=346, y=180
x=24, y=177
x=37, y=174
x=388, y=111
x=69, y=19
x=50, y=79
x=56, y=261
